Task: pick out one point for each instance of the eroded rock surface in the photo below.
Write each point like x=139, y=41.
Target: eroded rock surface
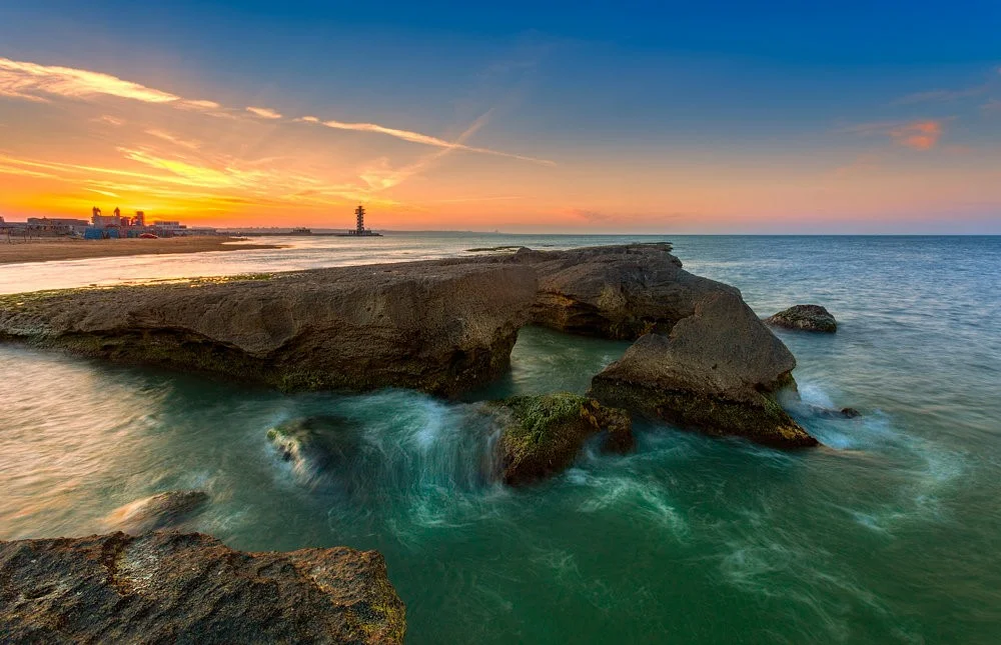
x=806, y=318
x=542, y=435
x=437, y=327
x=190, y=588
x=618, y=292
x=715, y=371
x=167, y=510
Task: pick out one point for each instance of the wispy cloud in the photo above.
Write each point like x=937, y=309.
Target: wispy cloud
x=36, y=82
x=922, y=134
x=163, y=135
x=994, y=105
x=264, y=113
x=942, y=95
x=428, y=140
x=110, y=120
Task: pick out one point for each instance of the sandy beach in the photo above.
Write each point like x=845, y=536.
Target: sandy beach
x=44, y=250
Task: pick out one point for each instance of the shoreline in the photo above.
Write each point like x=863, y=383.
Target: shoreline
x=53, y=249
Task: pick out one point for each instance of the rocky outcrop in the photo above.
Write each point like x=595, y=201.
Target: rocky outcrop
x=542, y=435
x=168, y=510
x=314, y=446
x=715, y=371
x=432, y=326
x=805, y=318
x=172, y=587
x=619, y=292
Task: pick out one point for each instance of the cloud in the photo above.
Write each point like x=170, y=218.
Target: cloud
x=264, y=113
x=941, y=95
x=428, y=140
x=34, y=82
x=922, y=134
x=110, y=120
x=309, y=119
x=994, y=105
x=171, y=138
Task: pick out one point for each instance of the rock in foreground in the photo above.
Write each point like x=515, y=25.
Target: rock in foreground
x=806, y=318
x=172, y=587
x=715, y=372
x=440, y=328
x=169, y=510
x=542, y=435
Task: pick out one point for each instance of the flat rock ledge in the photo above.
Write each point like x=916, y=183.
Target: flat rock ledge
x=428, y=326
x=190, y=588
x=805, y=318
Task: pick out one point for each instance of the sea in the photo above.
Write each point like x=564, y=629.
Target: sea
x=888, y=533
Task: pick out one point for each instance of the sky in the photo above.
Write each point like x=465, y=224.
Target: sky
x=654, y=117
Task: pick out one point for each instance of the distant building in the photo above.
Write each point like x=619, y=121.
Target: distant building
x=58, y=225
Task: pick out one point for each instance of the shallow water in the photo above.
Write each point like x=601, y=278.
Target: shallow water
x=890, y=533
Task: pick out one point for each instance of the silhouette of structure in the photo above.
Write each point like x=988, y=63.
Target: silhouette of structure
x=360, y=230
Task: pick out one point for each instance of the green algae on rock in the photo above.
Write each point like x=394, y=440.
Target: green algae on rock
x=543, y=434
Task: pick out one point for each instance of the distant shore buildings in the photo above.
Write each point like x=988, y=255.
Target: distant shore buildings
x=101, y=227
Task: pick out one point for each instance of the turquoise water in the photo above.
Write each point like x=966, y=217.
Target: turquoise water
x=889, y=534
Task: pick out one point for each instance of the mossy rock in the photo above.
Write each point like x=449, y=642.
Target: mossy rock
x=543, y=434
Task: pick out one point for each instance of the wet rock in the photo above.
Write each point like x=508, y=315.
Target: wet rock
x=542, y=435
x=438, y=327
x=717, y=371
x=168, y=510
x=806, y=318
x=173, y=587
x=317, y=447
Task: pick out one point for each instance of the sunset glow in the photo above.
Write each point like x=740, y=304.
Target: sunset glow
x=532, y=133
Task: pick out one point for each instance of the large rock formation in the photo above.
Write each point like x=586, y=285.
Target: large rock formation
x=619, y=292
x=805, y=318
x=188, y=588
x=437, y=327
x=542, y=435
x=715, y=371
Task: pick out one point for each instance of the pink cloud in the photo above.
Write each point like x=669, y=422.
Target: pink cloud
x=922, y=134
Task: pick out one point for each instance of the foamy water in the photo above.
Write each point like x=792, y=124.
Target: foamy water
x=889, y=533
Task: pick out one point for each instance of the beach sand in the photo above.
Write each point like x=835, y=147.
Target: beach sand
x=47, y=249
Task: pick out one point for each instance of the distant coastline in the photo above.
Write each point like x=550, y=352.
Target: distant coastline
x=51, y=249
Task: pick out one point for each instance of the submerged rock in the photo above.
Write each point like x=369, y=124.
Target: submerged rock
x=806, y=318
x=169, y=510
x=542, y=435
x=438, y=327
x=828, y=413
x=314, y=446
x=173, y=587
x=716, y=372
